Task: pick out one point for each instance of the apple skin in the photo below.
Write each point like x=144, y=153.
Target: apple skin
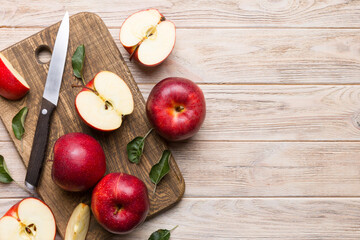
x=124, y=191
x=10, y=87
x=131, y=49
x=164, y=101
x=13, y=211
x=91, y=86
x=79, y=162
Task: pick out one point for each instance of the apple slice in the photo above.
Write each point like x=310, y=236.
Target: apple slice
x=78, y=224
x=104, y=101
x=29, y=219
x=148, y=37
x=12, y=85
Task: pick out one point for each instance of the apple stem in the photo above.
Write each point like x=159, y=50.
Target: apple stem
x=173, y=228
x=154, y=189
x=162, y=19
x=148, y=133
x=93, y=90
x=23, y=188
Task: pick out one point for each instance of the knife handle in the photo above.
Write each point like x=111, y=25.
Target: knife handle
x=38, y=150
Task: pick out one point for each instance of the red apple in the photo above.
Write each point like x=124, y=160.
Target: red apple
x=104, y=102
x=12, y=85
x=176, y=108
x=79, y=162
x=148, y=37
x=28, y=219
x=120, y=202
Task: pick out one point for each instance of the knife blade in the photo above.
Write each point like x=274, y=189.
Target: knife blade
x=48, y=104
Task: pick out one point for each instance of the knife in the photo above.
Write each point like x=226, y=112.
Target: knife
x=48, y=104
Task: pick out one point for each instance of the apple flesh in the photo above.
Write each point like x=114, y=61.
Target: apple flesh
x=28, y=219
x=78, y=225
x=148, y=37
x=79, y=162
x=176, y=108
x=104, y=102
x=120, y=202
x=12, y=85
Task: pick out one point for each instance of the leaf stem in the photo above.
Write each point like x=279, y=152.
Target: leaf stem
x=148, y=133
x=154, y=189
x=173, y=228
x=83, y=80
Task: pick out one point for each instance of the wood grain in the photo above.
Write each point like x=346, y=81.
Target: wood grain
x=187, y=13
x=102, y=54
x=277, y=113
x=242, y=169
x=250, y=56
x=233, y=219
x=295, y=42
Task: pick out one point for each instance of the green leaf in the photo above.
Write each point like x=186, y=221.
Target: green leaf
x=135, y=148
x=159, y=170
x=78, y=61
x=4, y=172
x=161, y=234
x=18, y=123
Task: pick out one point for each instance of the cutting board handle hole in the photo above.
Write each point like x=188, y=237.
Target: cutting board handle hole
x=43, y=54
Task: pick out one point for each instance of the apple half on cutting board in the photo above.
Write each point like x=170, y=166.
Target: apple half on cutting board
x=104, y=101
x=12, y=85
x=28, y=219
x=148, y=37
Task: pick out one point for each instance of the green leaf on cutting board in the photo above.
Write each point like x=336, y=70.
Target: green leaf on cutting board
x=161, y=234
x=78, y=62
x=18, y=123
x=159, y=170
x=135, y=148
x=4, y=172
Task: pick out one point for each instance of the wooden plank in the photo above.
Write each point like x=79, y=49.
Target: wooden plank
x=17, y=171
x=241, y=169
x=277, y=113
x=232, y=219
x=102, y=55
x=250, y=56
x=187, y=13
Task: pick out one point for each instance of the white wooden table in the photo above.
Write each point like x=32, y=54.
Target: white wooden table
x=278, y=156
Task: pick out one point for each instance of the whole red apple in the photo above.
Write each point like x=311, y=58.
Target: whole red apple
x=79, y=162
x=120, y=202
x=176, y=108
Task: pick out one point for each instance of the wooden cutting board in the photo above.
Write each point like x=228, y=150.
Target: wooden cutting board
x=101, y=54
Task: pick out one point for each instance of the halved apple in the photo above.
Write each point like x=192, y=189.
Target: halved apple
x=104, y=101
x=78, y=224
x=148, y=37
x=12, y=85
x=28, y=219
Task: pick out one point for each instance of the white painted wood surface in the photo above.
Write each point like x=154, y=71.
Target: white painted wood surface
x=278, y=156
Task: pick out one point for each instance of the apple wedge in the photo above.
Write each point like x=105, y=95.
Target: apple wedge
x=148, y=37
x=29, y=219
x=78, y=224
x=104, y=101
x=12, y=85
